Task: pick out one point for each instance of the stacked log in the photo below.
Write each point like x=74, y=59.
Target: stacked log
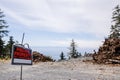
x=109, y=52
x=38, y=57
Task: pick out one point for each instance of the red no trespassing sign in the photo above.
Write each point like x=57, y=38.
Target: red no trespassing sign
x=21, y=55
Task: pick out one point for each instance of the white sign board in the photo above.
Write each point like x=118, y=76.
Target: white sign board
x=21, y=55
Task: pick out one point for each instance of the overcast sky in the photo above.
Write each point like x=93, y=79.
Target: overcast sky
x=57, y=22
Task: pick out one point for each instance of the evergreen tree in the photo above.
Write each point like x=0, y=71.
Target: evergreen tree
x=9, y=46
x=62, y=56
x=73, y=51
x=3, y=25
x=1, y=48
x=115, y=28
x=85, y=54
x=79, y=54
x=3, y=32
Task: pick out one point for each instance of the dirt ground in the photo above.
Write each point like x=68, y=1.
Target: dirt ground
x=64, y=70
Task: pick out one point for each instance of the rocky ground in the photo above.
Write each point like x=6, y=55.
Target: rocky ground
x=64, y=70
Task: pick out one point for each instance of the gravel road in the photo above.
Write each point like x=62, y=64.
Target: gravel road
x=64, y=70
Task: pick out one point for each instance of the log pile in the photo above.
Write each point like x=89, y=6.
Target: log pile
x=109, y=52
x=38, y=57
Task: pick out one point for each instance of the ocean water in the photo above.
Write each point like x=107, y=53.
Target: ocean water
x=55, y=52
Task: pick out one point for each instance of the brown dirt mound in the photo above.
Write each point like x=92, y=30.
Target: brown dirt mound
x=38, y=57
x=109, y=52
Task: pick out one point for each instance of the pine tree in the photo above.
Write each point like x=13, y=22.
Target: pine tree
x=3, y=25
x=115, y=28
x=73, y=51
x=62, y=56
x=9, y=46
x=1, y=48
x=79, y=54
x=3, y=32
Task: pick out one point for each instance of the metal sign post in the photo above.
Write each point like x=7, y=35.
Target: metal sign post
x=21, y=73
x=21, y=55
x=21, y=65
